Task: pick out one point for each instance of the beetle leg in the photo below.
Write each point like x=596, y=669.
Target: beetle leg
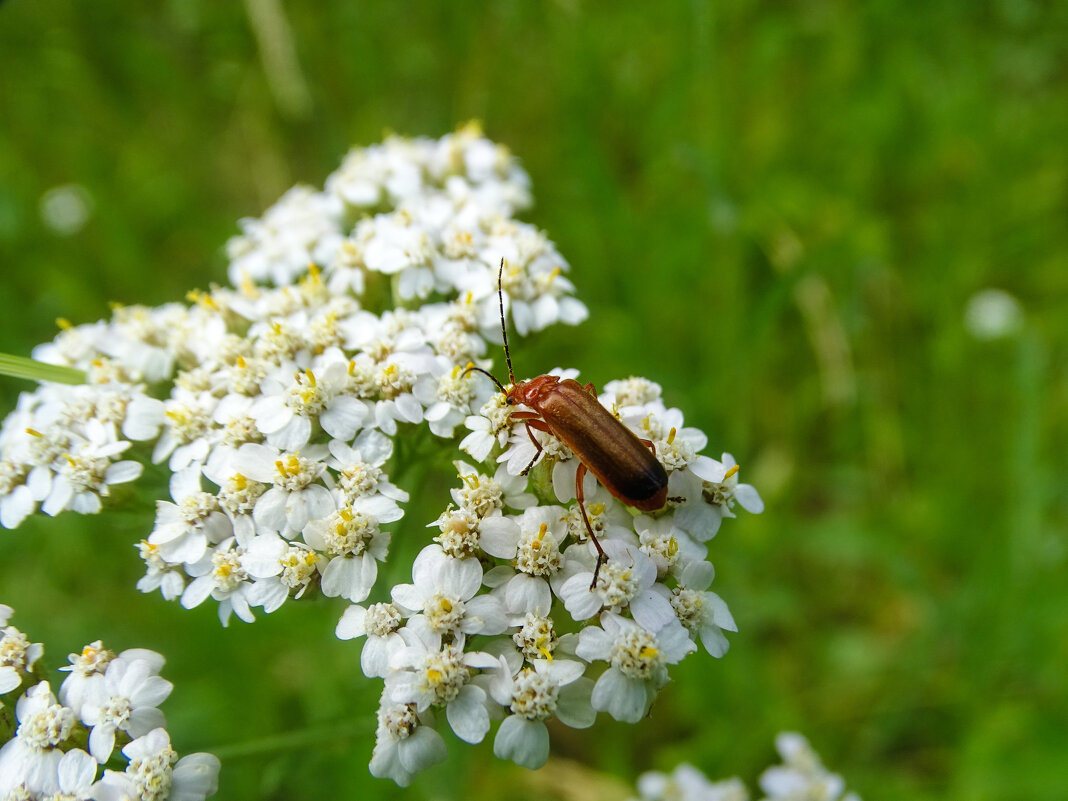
x=602, y=557
x=591, y=389
x=648, y=443
x=532, y=423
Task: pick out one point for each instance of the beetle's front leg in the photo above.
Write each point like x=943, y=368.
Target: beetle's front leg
x=532, y=420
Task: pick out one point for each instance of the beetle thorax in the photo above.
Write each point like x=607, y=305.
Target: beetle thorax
x=531, y=391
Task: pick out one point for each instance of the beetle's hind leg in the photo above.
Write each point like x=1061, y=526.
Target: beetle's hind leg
x=580, y=495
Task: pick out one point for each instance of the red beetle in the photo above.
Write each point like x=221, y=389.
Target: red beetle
x=624, y=464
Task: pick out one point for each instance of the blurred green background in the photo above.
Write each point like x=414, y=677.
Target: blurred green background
x=779, y=211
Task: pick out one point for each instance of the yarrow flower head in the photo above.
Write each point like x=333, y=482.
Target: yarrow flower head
x=353, y=337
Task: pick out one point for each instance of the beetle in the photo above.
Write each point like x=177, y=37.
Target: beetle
x=624, y=464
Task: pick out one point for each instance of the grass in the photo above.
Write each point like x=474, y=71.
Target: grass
x=778, y=211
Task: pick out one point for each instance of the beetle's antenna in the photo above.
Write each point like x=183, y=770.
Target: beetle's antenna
x=504, y=328
x=473, y=369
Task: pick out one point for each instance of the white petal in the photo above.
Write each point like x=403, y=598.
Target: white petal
x=574, y=706
x=594, y=643
x=749, y=498
x=351, y=624
x=422, y=749
x=293, y=436
x=527, y=594
x=499, y=537
x=525, y=742
x=578, y=599
x=721, y=615
x=484, y=615
x=197, y=592
x=76, y=772
x=102, y=742
x=270, y=510
x=467, y=714
x=714, y=641
x=652, y=611
x=343, y=418
x=623, y=698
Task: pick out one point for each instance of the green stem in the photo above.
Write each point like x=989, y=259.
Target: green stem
x=21, y=367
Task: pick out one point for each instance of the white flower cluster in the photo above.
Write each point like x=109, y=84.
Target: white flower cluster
x=503, y=619
x=274, y=407
x=107, y=700
x=801, y=777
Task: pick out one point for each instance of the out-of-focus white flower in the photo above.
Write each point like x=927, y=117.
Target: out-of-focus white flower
x=687, y=783
x=66, y=208
x=802, y=775
x=302, y=227
x=993, y=314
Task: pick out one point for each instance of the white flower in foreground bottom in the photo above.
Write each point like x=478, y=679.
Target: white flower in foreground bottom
x=638, y=660
x=687, y=783
x=405, y=743
x=132, y=691
x=32, y=757
x=802, y=775
x=152, y=774
x=533, y=695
